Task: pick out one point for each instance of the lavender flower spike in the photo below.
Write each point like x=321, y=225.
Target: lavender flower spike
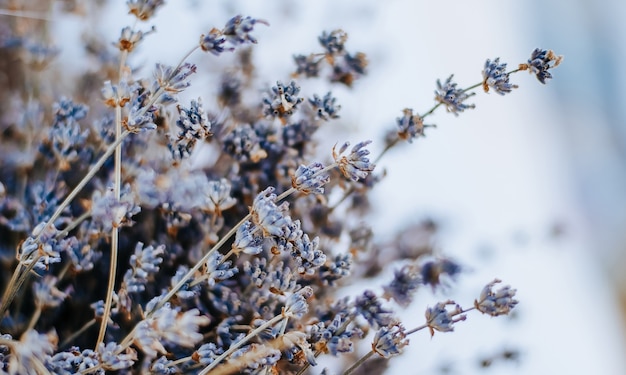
x=296, y=306
x=267, y=215
x=496, y=77
x=540, y=62
x=452, y=97
x=237, y=30
x=438, y=318
x=356, y=165
x=390, y=340
x=309, y=179
x=496, y=303
x=245, y=240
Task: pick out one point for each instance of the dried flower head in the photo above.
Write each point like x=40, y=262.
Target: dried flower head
x=144, y=264
x=540, y=62
x=439, y=318
x=410, y=126
x=172, y=80
x=47, y=294
x=296, y=306
x=116, y=95
x=66, y=141
x=29, y=353
x=334, y=41
x=369, y=306
x=276, y=278
x=431, y=272
x=213, y=42
x=194, y=125
x=405, y=283
x=243, y=144
x=336, y=269
x=307, y=256
x=217, y=269
x=390, y=340
x=237, y=29
x=325, y=108
x=356, y=165
x=496, y=303
x=246, y=241
x=335, y=336
x=307, y=65
x=282, y=100
x=109, y=212
x=310, y=179
x=496, y=77
x=272, y=219
x=143, y=9
x=218, y=197
x=115, y=357
x=349, y=68
x=169, y=325
x=43, y=251
x=130, y=38
x=452, y=97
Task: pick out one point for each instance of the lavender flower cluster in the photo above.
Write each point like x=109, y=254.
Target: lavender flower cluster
x=120, y=255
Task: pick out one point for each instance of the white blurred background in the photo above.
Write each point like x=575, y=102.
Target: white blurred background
x=530, y=187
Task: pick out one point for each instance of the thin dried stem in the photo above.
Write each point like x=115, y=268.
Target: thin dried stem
x=241, y=342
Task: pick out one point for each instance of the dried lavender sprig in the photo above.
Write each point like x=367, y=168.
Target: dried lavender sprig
x=495, y=304
x=117, y=183
x=161, y=91
x=539, y=63
x=338, y=332
x=295, y=306
x=241, y=342
x=281, y=343
x=371, y=353
x=118, y=165
x=315, y=175
x=388, y=342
